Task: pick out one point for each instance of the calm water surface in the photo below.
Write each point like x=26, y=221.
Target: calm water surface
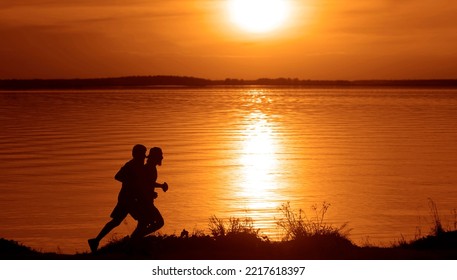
x=376, y=155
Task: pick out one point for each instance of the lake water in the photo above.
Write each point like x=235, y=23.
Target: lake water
x=376, y=155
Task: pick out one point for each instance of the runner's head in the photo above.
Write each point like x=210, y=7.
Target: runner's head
x=139, y=151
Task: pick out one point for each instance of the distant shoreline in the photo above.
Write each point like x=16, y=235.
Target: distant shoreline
x=151, y=82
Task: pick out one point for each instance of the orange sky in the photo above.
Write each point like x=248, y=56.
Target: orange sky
x=327, y=39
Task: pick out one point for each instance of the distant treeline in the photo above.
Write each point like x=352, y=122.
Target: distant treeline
x=180, y=81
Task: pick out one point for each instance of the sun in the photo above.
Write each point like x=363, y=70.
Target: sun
x=259, y=16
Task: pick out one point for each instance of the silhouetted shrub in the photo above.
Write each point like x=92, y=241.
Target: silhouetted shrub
x=298, y=225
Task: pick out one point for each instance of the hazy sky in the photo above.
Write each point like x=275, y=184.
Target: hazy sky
x=321, y=39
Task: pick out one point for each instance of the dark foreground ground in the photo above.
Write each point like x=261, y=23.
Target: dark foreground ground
x=245, y=247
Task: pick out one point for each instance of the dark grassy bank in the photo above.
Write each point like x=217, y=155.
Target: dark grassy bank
x=243, y=247
x=304, y=238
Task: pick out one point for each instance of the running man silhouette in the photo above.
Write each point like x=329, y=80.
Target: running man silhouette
x=132, y=177
x=149, y=217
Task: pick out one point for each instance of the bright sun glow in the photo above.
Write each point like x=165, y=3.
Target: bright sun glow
x=259, y=16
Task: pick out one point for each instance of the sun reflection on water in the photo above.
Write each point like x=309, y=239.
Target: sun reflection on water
x=259, y=190
x=258, y=157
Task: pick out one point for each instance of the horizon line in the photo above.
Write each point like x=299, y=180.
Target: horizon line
x=190, y=81
x=227, y=78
